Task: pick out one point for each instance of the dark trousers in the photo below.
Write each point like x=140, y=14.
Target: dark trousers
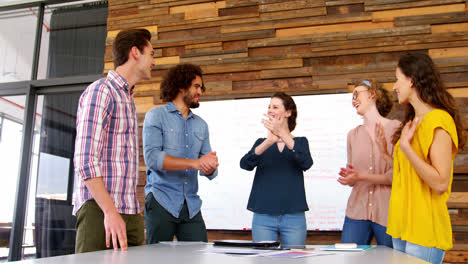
x=91, y=234
x=162, y=226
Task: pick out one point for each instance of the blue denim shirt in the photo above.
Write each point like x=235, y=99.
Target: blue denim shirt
x=166, y=132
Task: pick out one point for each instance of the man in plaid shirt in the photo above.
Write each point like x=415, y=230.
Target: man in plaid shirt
x=106, y=150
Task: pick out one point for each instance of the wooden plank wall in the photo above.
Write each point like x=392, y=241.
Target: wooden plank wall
x=251, y=48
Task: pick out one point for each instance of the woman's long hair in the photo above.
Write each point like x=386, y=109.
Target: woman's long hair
x=426, y=80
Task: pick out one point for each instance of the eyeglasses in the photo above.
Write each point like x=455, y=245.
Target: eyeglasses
x=359, y=89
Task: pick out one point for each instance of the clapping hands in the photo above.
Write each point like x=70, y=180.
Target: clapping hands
x=208, y=163
x=276, y=126
x=349, y=175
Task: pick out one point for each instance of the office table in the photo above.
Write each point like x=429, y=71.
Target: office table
x=190, y=254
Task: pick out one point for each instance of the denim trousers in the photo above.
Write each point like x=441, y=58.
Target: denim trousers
x=362, y=231
x=429, y=254
x=292, y=229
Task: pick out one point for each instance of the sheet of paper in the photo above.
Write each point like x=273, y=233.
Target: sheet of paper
x=295, y=254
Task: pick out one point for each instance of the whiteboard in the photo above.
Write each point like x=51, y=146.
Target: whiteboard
x=234, y=127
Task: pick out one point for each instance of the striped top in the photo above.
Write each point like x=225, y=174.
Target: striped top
x=107, y=143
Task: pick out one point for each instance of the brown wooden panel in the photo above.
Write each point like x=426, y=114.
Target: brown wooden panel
x=389, y=15
x=294, y=40
x=208, y=22
x=262, y=94
x=296, y=22
x=123, y=12
x=161, y=3
x=375, y=58
x=453, y=256
x=203, y=50
x=459, y=217
x=252, y=65
x=204, y=45
x=222, y=55
x=455, y=27
x=390, y=48
x=460, y=163
x=240, y=3
x=307, y=12
x=450, y=62
x=173, y=51
x=343, y=2
x=274, y=51
x=203, y=13
x=234, y=45
x=449, y=52
x=345, y=9
x=235, y=76
x=140, y=13
x=432, y=19
x=458, y=200
x=189, y=33
x=233, y=11
x=214, y=38
x=358, y=26
x=290, y=5
x=407, y=4
x=460, y=183
x=224, y=86
x=459, y=92
x=286, y=73
x=276, y=84
x=157, y=75
x=145, y=21
x=191, y=8
x=457, y=79
x=116, y=6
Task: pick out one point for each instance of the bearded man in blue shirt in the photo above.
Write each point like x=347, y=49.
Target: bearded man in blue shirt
x=176, y=146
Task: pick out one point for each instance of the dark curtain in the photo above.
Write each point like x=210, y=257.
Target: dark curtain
x=77, y=46
x=77, y=40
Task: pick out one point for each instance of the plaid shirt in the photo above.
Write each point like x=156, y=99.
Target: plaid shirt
x=107, y=143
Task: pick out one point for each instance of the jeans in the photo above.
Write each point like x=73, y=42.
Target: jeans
x=361, y=232
x=432, y=255
x=292, y=229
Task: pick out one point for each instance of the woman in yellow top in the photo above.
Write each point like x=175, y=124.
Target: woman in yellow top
x=426, y=145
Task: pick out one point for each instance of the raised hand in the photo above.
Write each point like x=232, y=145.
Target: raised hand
x=278, y=126
x=272, y=137
x=407, y=133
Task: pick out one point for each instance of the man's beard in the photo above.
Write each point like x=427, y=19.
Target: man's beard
x=188, y=100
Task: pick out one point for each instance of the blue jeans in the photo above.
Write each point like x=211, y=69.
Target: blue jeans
x=361, y=232
x=292, y=229
x=432, y=255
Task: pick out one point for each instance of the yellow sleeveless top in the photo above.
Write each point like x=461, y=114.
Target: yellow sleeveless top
x=416, y=213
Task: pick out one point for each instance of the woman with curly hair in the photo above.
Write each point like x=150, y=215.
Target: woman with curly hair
x=369, y=168
x=426, y=145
